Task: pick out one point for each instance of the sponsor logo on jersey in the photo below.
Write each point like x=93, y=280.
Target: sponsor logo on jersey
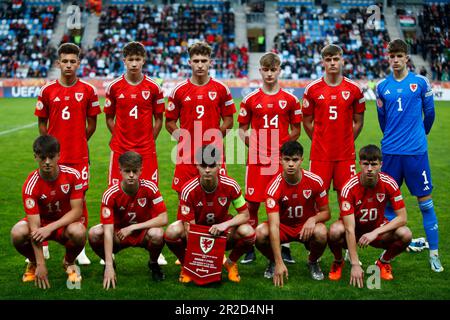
x=121, y=96
x=39, y=105
x=413, y=87
x=187, y=98
x=380, y=197
x=206, y=244
x=185, y=210
x=258, y=106
x=426, y=188
x=305, y=103
x=321, y=97
x=65, y=188
x=358, y=203
x=250, y=191
x=29, y=203
x=387, y=92
x=107, y=103
x=307, y=193
x=142, y=202
x=56, y=99
x=333, y=97
x=106, y=212
x=345, y=206
x=200, y=97
x=400, y=90
x=270, y=202
x=269, y=105
x=79, y=96
x=212, y=95
x=200, y=204
x=282, y=104
x=43, y=197
x=222, y=201
x=122, y=208
x=345, y=95
x=133, y=96
x=66, y=98
x=145, y=94
x=243, y=112
x=285, y=198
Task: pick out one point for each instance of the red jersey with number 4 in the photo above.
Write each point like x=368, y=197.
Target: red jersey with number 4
x=296, y=203
x=209, y=208
x=51, y=199
x=332, y=108
x=368, y=204
x=133, y=107
x=269, y=116
x=199, y=105
x=67, y=109
x=122, y=210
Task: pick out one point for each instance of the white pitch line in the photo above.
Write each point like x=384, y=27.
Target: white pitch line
x=2, y=133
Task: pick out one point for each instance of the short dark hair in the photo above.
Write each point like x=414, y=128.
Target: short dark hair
x=370, y=153
x=397, y=45
x=134, y=48
x=208, y=155
x=291, y=148
x=46, y=146
x=130, y=160
x=69, y=48
x=200, y=48
x=331, y=50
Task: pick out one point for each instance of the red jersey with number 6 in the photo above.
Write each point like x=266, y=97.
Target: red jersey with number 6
x=332, y=109
x=67, y=109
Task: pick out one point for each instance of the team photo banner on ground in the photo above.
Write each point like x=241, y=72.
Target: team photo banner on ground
x=204, y=255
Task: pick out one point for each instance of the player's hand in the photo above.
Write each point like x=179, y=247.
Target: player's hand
x=124, y=232
x=217, y=229
x=41, y=280
x=109, y=278
x=279, y=273
x=366, y=239
x=307, y=230
x=41, y=234
x=357, y=276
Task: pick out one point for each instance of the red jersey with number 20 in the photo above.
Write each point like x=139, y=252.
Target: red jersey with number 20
x=332, y=108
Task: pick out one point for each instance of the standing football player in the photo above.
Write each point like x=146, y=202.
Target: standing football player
x=406, y=115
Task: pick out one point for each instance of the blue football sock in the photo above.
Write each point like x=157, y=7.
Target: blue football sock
x=389, y=212
x=430, y=223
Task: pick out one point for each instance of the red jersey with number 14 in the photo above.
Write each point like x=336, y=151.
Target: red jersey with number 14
x=67, y=109
x=368, y=204
x=133, y=107
x=332, y=108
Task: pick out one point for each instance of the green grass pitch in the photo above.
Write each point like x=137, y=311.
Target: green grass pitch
x=413, y=277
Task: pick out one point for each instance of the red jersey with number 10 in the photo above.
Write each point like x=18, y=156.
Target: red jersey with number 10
x=67, y=109
x=332, y=108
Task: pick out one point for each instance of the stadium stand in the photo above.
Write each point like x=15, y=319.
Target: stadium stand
x=25, y=31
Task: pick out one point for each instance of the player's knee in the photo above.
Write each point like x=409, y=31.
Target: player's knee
x=156, y=235
x=95, y=234
x=76, y=232
x=174, y=230
x=245, y=230
x=404, y=234
x=320, y=233
x=20, y=232
x=262, y=233
x=336, y=232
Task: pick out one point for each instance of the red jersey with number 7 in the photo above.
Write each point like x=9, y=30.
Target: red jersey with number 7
x=332, y=109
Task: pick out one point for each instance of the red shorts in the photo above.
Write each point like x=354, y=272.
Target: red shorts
x=288, y=233
x=339, y=171
x=135, y=239
x=57, y=235
x=149, y=168
x=185, y=172
x=257, y=178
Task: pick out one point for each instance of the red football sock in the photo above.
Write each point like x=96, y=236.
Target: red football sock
x=242, y=246
x=177, y=246
x=394, y=250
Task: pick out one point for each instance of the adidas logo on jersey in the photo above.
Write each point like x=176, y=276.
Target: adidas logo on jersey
x=258, y=106
x=121, y=96
x=57, y=99
x=387, y=92
x=285, y=198
x=43, y=197
x=321, y=97
x=187, y=99
x=200, y=204
x=426, y=188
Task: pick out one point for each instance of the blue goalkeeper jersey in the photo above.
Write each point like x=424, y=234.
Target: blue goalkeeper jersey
x=405, y=114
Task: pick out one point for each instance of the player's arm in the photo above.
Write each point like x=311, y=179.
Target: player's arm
x=227, y=123
x=157, y=125
x=110, y=121
x=308, y=125
x=308, y=228
x=91, y=126
x=42, y=125
x=428, y=109
x=172, y=128
x=109, y=276
x=274, y=237
x=74, y=214
x=156, y=222
x=358, y=122
x=295, y=131
x=242, y=217
x=34, y=222
x=381, y=113
x=244, y=133
x=357, y=274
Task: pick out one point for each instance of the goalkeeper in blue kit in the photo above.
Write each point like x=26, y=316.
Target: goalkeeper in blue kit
x=406, y=114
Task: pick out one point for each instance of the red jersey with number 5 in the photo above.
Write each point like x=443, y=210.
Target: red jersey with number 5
x=67, y=109
x=133, y=107
x=296, y=203
x=332, y=109
x=51, y=199
x=368, y=204
x=122, y=210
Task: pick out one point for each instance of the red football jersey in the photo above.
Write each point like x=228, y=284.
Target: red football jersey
x=332, y=108
x=198, y=105
x=133, y=107
x=209, y=208
x=269, y=117
x=67, y=109
x=51, y=199
x=296, y=203
x=122, y=210
x=368, y=204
